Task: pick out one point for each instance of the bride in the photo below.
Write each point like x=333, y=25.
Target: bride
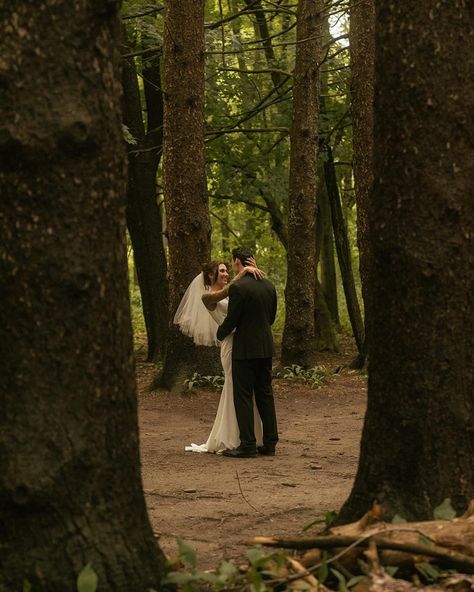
x=209, y=290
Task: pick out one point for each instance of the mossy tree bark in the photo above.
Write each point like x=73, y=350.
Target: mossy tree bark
x=70, y=484
x=418, y=439
x=298, y=345
x=186, y=199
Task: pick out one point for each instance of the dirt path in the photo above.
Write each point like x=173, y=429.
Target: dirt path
x=216, y=503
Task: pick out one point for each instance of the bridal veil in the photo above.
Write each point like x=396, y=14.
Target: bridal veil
x=192, y=316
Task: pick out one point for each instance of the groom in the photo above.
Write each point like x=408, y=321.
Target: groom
x=252, y=310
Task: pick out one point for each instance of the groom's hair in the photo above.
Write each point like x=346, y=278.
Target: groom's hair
x=242, y=254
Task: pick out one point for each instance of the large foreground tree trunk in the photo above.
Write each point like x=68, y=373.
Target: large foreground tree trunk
x=187, y=207
x=418, y=438
x=70, y=484
x=298, y=334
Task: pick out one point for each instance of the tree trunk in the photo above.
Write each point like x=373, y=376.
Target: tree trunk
x=362, y=98
x=324, y=333
x=418, y=439
x=328, y=267
x=326, y=313
x=184, y=179
x=324, y=330
x=298, y=334
x=70, y=484
x=344, y=253
x=143, y=213
x=264, y=34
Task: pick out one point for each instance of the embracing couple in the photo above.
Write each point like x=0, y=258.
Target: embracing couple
x=236, y=315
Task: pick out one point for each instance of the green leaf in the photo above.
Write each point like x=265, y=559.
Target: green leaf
x=342, y=586
x=444, y=511
x=424, y=540
x=187, y=553
x=391, y=569
x=26, y=586
x=430, y=572
x=204, y=576
x=355, y=580
x=177, y=577
x=255, y=554
x=329, y=517
x=257, y=586
x=227, y=570
x=87, y=580
x=323, y=571
x=313, y=523
x=397, y=519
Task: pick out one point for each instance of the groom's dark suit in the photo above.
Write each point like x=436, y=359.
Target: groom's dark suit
x=252, y=310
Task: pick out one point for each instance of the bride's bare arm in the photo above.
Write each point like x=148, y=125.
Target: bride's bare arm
x=210, y=299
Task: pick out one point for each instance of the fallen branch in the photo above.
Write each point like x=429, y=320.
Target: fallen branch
x=446, y=556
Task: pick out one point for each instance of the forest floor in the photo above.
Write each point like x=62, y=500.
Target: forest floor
x=215, y=504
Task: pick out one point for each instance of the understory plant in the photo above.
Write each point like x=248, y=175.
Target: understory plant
x=197, y=380
x=312, y=376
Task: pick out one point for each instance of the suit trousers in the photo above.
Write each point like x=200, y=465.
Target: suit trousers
x=254, y=377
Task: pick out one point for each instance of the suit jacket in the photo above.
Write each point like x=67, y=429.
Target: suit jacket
x=252, y=311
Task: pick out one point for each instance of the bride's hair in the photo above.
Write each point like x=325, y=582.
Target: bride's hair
x=211, y=269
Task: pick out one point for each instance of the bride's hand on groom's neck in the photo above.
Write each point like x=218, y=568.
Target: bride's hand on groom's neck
x=251, y=267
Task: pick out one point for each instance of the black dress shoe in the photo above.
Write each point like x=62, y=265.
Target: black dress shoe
x=264, y=451
x=240, y=453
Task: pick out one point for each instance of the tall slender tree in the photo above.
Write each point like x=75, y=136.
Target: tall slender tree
x=362, y=16
x=324, y=231
x=418, y=439
x=325, y=294
x=70, y=484
x=187, y=208
x=298, y=335
x=344, y=255
x=144, y=219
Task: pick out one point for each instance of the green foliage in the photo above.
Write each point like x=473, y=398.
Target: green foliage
x=197, y=380
x=341, y=580
x=226, y=575
x=323, y=570
x=312, y=376
x=429, y=572
x=397, y=519
x=444, y=511
x=87, y=579
x=328, y=520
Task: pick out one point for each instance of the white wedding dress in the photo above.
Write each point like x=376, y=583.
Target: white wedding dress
x=225, y=431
